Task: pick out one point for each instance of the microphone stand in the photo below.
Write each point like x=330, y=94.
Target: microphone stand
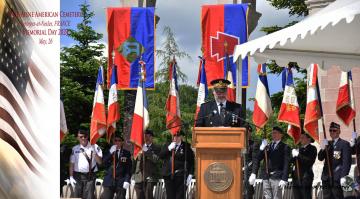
x=237, y=117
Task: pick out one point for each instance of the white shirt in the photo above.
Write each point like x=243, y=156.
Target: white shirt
x=79, y=160
x=219, y=107
x=335, y=141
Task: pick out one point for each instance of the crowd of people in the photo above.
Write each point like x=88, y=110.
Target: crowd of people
x=273, y=162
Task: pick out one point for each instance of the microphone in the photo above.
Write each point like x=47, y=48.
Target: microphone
x=237, y=117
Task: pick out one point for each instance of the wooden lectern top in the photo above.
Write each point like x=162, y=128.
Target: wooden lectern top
x=219, y=137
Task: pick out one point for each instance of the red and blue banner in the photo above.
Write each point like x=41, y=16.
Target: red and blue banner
x=131, y=36
x=224, y=27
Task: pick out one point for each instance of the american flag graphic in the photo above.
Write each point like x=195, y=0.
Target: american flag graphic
x=23, y=97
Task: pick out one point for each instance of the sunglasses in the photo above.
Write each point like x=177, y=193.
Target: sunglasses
x=117, y=140
x=82, y=137
x=333, y=130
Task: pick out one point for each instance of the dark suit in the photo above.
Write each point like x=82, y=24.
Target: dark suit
x=303, y=185
x=340, y=163
x=278, y=165
x=175, y=184
x=144, y=189
x=251, y=167
x=207, y=118
x=355, y=150
x=122, y=173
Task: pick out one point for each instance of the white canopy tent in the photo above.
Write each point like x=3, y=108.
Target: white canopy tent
x=329, y=37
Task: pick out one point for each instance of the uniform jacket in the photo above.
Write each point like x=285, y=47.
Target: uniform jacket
x=151, y=159
x=251, y=163
x=306, y=158
x=354, y=149
x=122, y=171
x=179, y=160
x=340, y=160
x=278, y=163
x=207, y=118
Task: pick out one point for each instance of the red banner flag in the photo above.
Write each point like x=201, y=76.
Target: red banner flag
x=345, y=105
x=173, y=118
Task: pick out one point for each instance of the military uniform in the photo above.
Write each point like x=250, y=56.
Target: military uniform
x=65, y=153
x=210, y=114
x=150, y=172
x=340, y=163
x=85, y=169
x=278, y=165
x=251, y=166
x=175, y=184
x=121, y=159
x=302, y=187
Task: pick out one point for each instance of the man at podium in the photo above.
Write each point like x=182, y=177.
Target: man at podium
x=219, y=112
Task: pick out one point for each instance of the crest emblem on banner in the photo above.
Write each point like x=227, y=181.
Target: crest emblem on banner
x=130, y=49
x=223, y=44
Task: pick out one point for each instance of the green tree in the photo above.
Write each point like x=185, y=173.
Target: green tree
x=78, y=68
x=169, y=51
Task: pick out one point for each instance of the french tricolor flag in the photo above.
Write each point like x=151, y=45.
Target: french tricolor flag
x=98, y=117
x=313, y=111
x=173, y=118
x=262, y=106
x=140, y=118
x=345, y=105
x=203, y=89
x=289, y=109
x=113, y=105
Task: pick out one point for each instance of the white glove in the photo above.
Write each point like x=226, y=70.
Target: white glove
x=171, y=146
x=145, y=148
x=252, y=179
x=352, y=142
x=324, y=143
x=126, y=185
x=295, y=153
x=342, y=181
x=188, y=180
x=282, y=184
x=264, y=143
x=112, y=149
x=354, y=135
x=132, y=182
x=72, y=181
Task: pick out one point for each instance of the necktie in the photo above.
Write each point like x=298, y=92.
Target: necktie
x=222, y=113
x=273, y=146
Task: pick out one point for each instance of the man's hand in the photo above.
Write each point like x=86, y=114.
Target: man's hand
x=252, y=179
x=264, y=143
x=282, y=184
x=112, y=149
x=145, y=148
x=295, y=153
x=188, y=180
x=343, y=181
x=171, y=146
x=324, y=143
x=126, y=185
x=72, y=181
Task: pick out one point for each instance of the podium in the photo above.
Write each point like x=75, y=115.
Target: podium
x=218, y=161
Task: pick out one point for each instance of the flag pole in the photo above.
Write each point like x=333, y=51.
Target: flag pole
x=324, y=132
x=143, y=76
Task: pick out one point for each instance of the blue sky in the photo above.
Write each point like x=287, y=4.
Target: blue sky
x=184, y=19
